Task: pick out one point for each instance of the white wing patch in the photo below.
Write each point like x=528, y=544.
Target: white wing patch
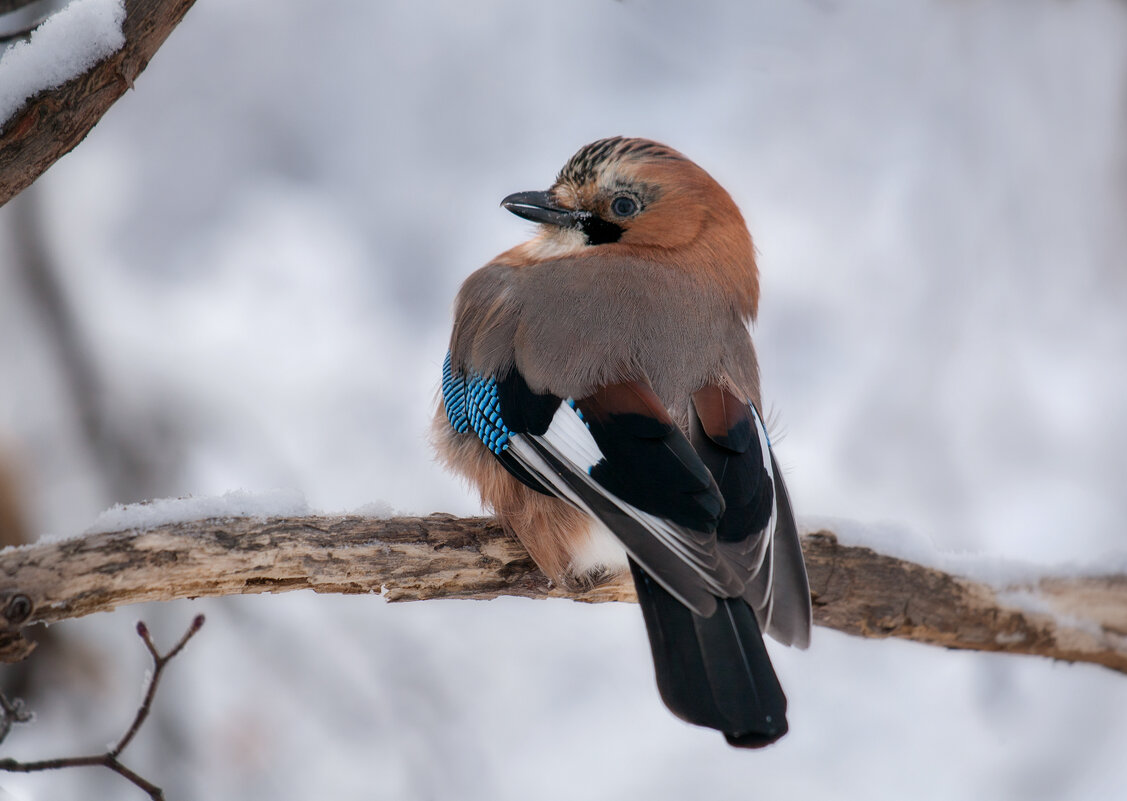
x=570, y=437
x=569, y=440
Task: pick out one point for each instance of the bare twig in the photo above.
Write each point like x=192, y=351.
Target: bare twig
x=11, y=713
x=159, y=661
x=855, y=590
x=110, y=759
x=53, y=122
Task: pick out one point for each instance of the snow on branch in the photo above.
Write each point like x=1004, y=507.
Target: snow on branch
x=72, y=85
x=1075, y=618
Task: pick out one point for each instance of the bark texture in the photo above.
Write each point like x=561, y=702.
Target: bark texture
x=52, y=123
x=855, y=590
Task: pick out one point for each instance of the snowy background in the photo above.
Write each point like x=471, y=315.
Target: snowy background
x=258, y=249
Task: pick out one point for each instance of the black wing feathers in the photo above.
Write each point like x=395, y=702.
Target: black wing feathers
x=723, y=431
x=524, y=412
x=711, y=664
x=648, y=462
x=640, y=542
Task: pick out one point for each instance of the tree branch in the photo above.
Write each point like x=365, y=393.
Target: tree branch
x=53, y=122
x=855, y=590
x=13, y=712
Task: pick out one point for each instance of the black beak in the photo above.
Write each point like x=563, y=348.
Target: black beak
x=538, y=207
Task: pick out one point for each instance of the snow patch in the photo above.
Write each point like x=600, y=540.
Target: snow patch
x=166, y=511
x=1031, y=602
x=380, y=509
x=236, y=503
x=901, y=542
x=67, y=44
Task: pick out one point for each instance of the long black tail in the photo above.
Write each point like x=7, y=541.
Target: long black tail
x=713, y=671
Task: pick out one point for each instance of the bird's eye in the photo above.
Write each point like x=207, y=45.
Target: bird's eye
x=623, y=206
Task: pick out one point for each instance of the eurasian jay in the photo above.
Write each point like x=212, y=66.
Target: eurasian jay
x=601, y=392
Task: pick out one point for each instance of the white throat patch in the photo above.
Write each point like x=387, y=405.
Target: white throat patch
x=556, y=243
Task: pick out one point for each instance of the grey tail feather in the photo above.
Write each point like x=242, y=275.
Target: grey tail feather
x=713, y=671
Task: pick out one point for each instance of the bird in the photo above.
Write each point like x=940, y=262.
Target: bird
x=601, y=392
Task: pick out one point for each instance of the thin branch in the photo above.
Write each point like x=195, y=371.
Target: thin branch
x=855, y=590
x=110, y=759
x=159, y=661
x=103, y=760
x=11, y=713
x=53, y=122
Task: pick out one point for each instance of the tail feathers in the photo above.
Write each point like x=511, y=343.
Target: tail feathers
x=713, y=671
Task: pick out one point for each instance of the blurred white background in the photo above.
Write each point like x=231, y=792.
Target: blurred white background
x=257, y=251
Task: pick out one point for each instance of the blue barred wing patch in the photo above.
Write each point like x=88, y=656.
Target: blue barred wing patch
x=483, y=408
x=454, y=397
x=471, y=402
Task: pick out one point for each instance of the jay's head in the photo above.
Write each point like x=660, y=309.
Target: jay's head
x=645, y=197
x=629, y=191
